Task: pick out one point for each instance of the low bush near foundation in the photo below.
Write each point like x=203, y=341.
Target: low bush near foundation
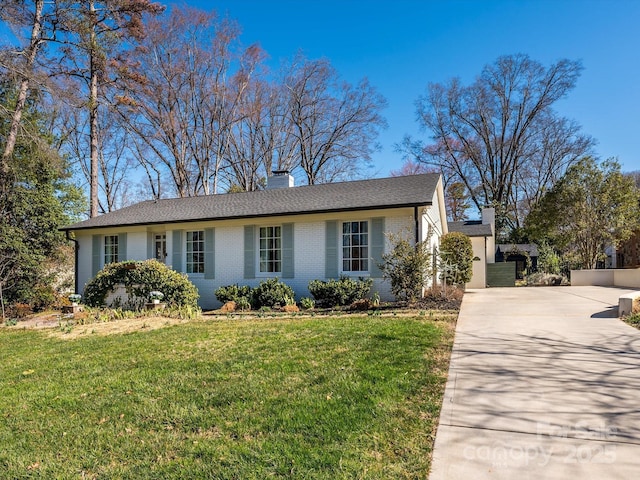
x=271, y=293
x=233, y=293
x=341, y=292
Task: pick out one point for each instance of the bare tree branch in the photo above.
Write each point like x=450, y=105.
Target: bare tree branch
x=500, y=136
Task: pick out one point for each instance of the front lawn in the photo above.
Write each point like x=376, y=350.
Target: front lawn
x=327, y=397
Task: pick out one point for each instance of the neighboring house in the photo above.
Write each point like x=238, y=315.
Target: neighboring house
x=521, y=254
x=297, y=234
x=627, y=255
x=482, y=235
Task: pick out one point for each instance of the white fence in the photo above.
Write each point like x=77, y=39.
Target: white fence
x=607, y=277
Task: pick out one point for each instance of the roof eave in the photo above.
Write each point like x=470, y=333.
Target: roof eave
x=244, y=217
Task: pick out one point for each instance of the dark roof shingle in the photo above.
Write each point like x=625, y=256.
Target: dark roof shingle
x=471, y=228
x=414, y=190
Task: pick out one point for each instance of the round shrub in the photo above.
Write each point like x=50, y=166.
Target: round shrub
x=233, y=293
x=140, y=279
x=243, y=304
x=272, y=292
x=340, y=292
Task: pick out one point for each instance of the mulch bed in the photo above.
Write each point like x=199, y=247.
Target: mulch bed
x=433, y=302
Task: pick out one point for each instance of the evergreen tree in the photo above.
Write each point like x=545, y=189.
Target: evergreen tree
x=456, y=258
x=593, y=206
x=37, y=201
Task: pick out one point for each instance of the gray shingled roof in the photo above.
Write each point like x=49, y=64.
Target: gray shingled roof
x=409, y=191
x=471, y=228
x=530, y=248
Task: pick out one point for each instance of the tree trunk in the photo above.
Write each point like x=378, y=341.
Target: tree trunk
x=4, y=318
x=93, y=118
x=32, y=51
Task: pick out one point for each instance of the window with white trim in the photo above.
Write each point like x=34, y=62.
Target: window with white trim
x=110, y=249
x=195, y=252
x=271, y=249
x=355, y=246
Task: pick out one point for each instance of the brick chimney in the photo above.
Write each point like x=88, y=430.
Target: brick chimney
x=280, y=179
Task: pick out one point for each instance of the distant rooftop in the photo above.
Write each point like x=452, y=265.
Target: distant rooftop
x=471, y=228
x=530, y=248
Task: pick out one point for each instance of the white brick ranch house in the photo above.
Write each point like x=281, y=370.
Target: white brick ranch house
x=297, y=234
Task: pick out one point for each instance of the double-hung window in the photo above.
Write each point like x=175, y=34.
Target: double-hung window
x=271, y=249
x=355, y=246
x=110, y=249
x=195, y=251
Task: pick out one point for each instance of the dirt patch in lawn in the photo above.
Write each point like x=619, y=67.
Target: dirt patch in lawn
x=41, y=320
x=128, y=325
x=70, y=326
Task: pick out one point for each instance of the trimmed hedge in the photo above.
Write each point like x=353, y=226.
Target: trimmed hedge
x=343, y=291
x=139, y=279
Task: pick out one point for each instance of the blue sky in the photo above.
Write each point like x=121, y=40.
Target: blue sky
x=402, y=45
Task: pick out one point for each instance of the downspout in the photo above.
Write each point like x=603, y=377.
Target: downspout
x=75, y=262
x=416, y=221
x=486, y=263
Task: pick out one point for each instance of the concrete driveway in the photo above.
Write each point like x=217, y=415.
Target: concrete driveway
x=544, y=383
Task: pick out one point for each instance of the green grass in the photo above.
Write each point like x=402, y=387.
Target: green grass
x=348, y=397
x=633, y=320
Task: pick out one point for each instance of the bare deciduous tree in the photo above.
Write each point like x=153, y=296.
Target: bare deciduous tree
x=182, y=96
x=410, y=167
x=500, y=136
x=456, y=201
x=115, y=159
x=251, y=142
x=263, y=140
x=335, y=123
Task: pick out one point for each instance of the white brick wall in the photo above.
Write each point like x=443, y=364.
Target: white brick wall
x=229, y=256
x=137, y=246
x=309, y=255
x=309, y=250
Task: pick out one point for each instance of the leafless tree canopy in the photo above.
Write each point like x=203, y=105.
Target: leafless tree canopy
x=93, y=31
x=182, y=96
x=500, y=136
x=178, y=97
x=334, y=124
x=213, y=118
